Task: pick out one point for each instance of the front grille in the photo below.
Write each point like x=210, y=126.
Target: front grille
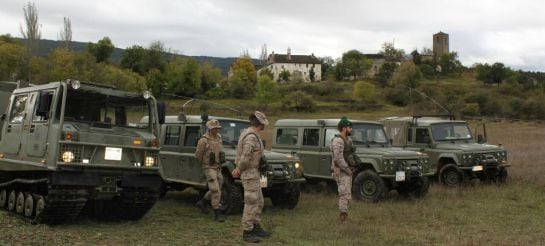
x=403, y=164
x=487, y=159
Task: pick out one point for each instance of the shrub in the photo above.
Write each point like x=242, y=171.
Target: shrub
x=298, y=101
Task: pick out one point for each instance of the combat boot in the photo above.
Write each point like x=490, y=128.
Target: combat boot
x=258, y=231
x=218, y=215
x=203, y=206
x=249, y=236
x=343, y=218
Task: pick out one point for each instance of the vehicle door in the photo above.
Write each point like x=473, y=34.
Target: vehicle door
x=171, y=155
x=310, y=152
x=36, y=136
x=191, y=169
x=329, y=134
x=11, y=139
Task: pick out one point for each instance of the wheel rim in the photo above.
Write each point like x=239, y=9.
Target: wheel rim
x=20, y=205
x=368, y=188
x=11, y=200
x=40, y=205
x=29, y=205
x=451, y=177
x=3, y=198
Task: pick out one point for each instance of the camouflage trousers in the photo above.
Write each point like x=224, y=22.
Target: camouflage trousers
x=214, y=180
x=344, y=186
x=253, y=203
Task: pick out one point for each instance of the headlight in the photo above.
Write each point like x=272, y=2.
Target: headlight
x=391, y=162
x=68, y=156
x=149, y=161
x=297, y=165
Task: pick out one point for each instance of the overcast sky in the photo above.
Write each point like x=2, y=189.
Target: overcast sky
x=508, y=31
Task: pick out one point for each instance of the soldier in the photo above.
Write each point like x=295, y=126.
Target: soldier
x=342, y=160
x=249, y=157
x=210, y=154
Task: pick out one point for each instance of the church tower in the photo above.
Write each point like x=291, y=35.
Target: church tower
x=440, y=44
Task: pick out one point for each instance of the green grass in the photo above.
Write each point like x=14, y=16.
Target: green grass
x=475, y=215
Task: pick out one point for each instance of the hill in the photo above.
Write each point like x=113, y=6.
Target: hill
x=223, y=63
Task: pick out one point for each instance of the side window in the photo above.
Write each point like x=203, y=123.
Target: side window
x=191, y=136
x=17, y=113
x=410, y=135
x=172, y=135
x=43, y=106
x=329, y=135
x=311, y=137
x=422, y=135
x=286, y=136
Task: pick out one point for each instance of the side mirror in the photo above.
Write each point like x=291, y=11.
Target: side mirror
x=161, y=108
x=182, y=117
x=44, y=104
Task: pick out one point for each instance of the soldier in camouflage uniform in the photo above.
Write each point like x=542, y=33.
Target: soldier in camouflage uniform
x=342, y=161
x=249, y=154
x=209, y=153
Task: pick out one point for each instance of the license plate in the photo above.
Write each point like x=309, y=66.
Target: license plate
x=113, y=154
x=263, y=181
x=400, y=176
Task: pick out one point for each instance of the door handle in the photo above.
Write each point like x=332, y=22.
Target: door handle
x=9, y=128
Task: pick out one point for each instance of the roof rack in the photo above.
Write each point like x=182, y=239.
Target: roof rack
x=416, y=117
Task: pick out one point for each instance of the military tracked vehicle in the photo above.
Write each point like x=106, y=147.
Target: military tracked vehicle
x=379, y=168
x=454, y=153
x=180, y=169
x=69, y=145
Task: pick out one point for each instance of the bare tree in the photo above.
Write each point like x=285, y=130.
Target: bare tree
x=264, y=55
x=66, y=33
x=32, y=34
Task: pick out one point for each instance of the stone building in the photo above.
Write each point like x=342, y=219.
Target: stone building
x=440, y=44
x=303, y=66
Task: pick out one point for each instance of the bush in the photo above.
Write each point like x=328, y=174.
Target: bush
x=398, y=96
x=298, y=101
x=364, y=92
x=471, y=109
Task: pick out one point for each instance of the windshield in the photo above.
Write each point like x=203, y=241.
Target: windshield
x=231, y=130
x=451, y=131
x=368, y=133
x=104, y=110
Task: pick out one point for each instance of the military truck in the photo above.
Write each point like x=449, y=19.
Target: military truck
x=454, y=153
x=69, y=145
x=379, y=168
x=180, y=169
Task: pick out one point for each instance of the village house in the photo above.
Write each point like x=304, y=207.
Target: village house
x=306, y=67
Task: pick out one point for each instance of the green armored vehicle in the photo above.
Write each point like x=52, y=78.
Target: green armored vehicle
x=454, y=154
x=180, y=169
x=69, y=145
x=379, y=167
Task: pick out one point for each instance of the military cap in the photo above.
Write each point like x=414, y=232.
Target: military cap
x=212, y=124
x=261, y=117
x=345, y=122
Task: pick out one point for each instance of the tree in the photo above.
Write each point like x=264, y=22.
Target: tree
x=61, y=65
x=407, y=74
x=66, y=33
x=134, y=58
x=312, y=74
x=390, y=52
x=263, y=57
x=266, y=72
x=328, y=65
x=386, y=72
x=363, y=92
x=101, y=50
x=417, y=58
x=284, y=75
x=494, y=74
x=11, y=60
x=154, y=56
x=32, y=34
x=355, y=63
x=450, y=64
x=183, y=76
x=244, y=78
x=210, y=76
x=267, y=91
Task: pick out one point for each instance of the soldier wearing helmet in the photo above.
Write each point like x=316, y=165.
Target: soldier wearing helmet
x=210, y=155
x=249, y=156
x=341, y=163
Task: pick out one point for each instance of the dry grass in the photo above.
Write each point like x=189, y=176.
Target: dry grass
x=483, y=214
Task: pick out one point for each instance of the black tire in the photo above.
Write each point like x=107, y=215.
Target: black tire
x=369, y=187
x=3, y=198
x=286, y=198
x=451, y=175
x=232, y=196
x=12, y=200
x=29, y=206
x=416, y=188
x=20, y=203
x=502, y=175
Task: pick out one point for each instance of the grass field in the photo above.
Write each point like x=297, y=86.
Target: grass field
x=479, y=214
